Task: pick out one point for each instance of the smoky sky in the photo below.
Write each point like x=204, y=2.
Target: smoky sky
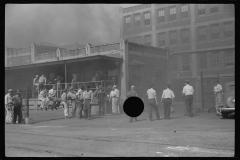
x=61, y=24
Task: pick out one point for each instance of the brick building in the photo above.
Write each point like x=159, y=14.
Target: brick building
x=201, y=37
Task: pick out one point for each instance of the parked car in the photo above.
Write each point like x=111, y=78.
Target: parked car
x=229, y=99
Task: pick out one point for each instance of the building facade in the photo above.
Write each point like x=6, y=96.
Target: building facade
x=124, y=63
x=201, y=38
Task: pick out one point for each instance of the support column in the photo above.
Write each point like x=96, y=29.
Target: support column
x=193, y=57
x=32, y=53
x=124, y=69
x=65, y=65
x=153, y=18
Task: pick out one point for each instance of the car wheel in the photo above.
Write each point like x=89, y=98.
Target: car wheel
x=224, y=115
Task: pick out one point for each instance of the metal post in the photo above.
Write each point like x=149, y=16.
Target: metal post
x=202, y=90
x=27, y=102
x=65, y=75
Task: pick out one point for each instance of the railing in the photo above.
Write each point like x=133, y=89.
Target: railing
x=73, y=53
x=105, y=47
x=46, y=56
x=106, y=84
x=15, y=52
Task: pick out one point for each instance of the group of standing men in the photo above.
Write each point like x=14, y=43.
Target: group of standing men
x=13, y=107
x=166, y=99
x=82, y=100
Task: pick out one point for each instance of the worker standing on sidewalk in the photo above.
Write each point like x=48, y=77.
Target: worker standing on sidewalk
x=152, y=100
x=188, y=92
x=167, y=97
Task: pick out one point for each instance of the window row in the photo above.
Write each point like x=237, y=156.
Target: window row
x=204, y=60
x=214, y=31
x=173, y=37
x=172, y=12
x=214, y=8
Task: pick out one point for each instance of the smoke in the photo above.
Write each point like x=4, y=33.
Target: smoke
x=61, y=24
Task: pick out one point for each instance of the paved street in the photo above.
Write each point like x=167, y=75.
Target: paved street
x=204, y=135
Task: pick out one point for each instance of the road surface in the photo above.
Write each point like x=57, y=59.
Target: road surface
x=204, y=135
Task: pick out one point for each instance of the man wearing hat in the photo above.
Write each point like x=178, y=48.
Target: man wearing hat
x=71, y=96
x=8, y=106
x=17, y=111
x=87, y=101
x=114, y=96
x=218, y=97
x=188, y=92
x=132, y=93
x=101, y=96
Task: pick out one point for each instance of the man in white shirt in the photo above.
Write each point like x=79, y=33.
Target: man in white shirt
x=52, y=96
x=71, y=97
x=114, y=95
x=87, y=100
x=152, y=100
x=35, y=85
x=43, y=97
x=167, y=97
x=218, y=97
x=188, y=92
x=80, y=101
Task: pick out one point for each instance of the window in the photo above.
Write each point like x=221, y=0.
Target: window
x=214, y=8
x=185, y=36
x=137, y=20
x=202, y=60
x=174, y=63
x=228, y=7
x=201, y=9
x=173, y=15
x=228, y=29
x=202, y=34
x=147, y=40
x=138, y=39
x=147, y=18
x=173, y=37
x=184, y=9
x=214, y=31
x=128, y=22
x=186, y=63
x=215, y=59
x=229, y=58
x=161, y=16
x=161, y=39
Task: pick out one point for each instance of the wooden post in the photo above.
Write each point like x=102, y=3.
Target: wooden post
x=202, y=90
x=27, y=101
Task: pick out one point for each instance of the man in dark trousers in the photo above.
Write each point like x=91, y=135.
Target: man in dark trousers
x=132, y=93
x=101, y=96
x=167, y=97
x=87, y=101
x=152, y=100
x=188, y=92
x=17, y=111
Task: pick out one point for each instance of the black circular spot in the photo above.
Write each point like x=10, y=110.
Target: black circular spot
x=133, y=106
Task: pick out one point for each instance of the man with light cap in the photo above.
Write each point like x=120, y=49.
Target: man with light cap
x=188, y=92
x=132, y=93
x=114, y=96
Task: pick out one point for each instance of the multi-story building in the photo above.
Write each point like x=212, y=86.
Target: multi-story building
x=201, y=38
